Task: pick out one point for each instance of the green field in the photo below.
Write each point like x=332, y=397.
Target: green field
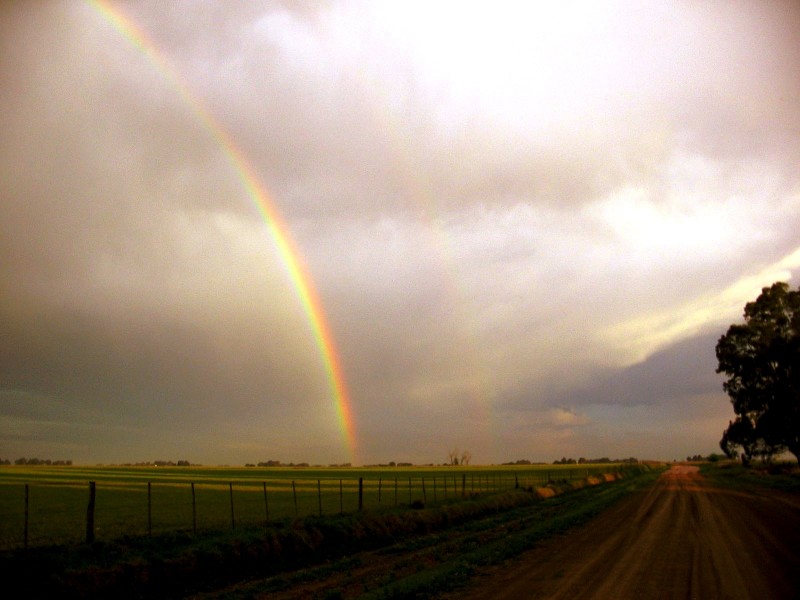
x=132, y=501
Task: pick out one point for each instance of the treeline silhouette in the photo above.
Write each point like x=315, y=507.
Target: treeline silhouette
x=595, y=461
x=35, y=461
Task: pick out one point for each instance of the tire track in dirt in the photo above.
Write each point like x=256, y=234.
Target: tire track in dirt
x=681, y=538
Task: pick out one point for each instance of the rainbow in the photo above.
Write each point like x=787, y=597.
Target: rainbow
x=287, y=250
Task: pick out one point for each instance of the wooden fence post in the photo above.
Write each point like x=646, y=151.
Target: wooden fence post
x=395, y=491
x=380, y=481
x=360, y=493
x=27, y=504
x=424, y=495
x=233, y=521
x=194, y=511
x=294, y=495
x=409, y=490
x=90, y=514
x=463, y=484
x=266, y=502
x=149, y=510
x=341, y=498
x=319, y=496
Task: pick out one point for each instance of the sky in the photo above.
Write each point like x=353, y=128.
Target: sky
x=524, y=225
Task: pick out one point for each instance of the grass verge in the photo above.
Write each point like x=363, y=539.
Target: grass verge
x=565, y=512
x=780, y=476
x=178, y=564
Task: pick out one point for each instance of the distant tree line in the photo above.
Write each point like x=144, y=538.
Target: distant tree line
x=36, y=461
x=700, y=458
x=277, y=463
x=595, y=461
x=162, y=463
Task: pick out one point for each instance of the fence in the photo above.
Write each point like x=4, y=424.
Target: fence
x=74, y=512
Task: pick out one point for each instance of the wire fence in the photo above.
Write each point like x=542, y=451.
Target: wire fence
x=72, y=512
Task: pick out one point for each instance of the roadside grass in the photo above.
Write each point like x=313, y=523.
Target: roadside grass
x=562, y=513
x=445, y=560
x=779, y=476
x=177, y=562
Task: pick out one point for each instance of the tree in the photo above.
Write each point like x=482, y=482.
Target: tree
x=466, y=457
x=761, y=359
x=452, y=457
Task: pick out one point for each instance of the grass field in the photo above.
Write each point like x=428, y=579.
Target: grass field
x=132, y=501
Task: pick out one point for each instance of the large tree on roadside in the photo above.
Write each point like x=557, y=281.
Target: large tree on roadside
x=761, y=359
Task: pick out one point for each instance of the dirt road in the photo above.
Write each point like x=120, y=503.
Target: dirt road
x=680, y=539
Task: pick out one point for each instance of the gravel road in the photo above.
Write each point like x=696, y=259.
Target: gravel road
x=682, y=538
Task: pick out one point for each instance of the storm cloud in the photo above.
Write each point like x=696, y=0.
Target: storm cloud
x=527, y=225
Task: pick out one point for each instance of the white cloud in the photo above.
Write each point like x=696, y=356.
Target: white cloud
x=638, y=338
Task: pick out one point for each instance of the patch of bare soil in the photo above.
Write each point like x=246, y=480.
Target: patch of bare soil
x=682, y=538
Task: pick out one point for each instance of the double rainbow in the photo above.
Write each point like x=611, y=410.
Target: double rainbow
x=287, y=250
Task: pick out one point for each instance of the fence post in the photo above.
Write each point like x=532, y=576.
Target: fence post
x=294, y=495
x=516, y=482
x=266, y=502
x=319, y=496
x=149, y=510
x=27, y=503
x=194, y=511
x=424, y=495
x=90, y=514
x=380, y=481
x=341, y=498
x=434, y=489
x=409, y=490
x=360, y=493
x=395, y=491
x=463, y=484
x=233, y=521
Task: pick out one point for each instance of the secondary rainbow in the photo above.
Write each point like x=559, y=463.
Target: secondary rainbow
x=289, y=253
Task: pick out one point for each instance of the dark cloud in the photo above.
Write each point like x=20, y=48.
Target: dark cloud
x=673, y=375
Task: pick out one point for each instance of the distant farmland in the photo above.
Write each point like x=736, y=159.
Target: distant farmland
x=51, y=504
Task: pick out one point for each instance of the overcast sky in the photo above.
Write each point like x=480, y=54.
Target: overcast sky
x=528, y=224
